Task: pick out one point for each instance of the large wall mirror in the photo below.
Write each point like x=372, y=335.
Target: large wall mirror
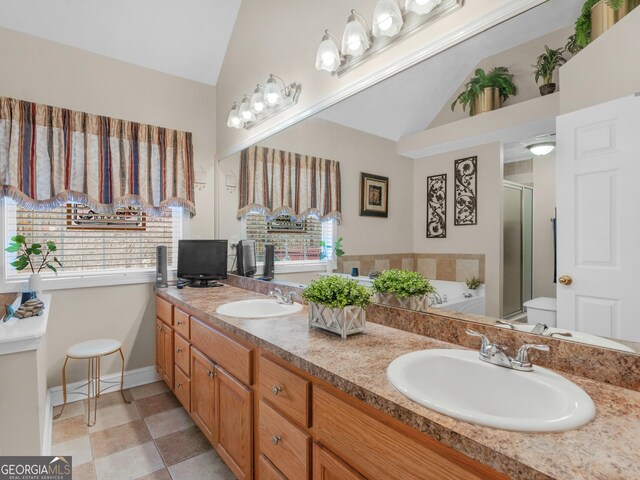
x=455, y=197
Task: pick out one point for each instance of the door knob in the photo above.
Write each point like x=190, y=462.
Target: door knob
x=565, y=280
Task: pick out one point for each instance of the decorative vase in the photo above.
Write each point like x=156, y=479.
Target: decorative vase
x=603, y=17
x=343, y=321
x=418, y=303
x=489, y=99
x=547, y=88
x=35, y=283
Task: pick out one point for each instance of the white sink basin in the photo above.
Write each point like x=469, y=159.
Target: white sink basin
x=258, y=308
x=457, y=383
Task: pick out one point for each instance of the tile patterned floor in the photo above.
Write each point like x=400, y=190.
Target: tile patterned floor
x=152, y=438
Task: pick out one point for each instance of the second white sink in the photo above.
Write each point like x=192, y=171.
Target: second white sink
x=258, y=308
x=457, y=383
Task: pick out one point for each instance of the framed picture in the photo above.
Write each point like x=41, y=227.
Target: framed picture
x=466, y=191
x=374, y=195
x=437, y=206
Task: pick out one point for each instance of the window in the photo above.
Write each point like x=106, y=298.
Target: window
x=94, y=249
x=294, y=241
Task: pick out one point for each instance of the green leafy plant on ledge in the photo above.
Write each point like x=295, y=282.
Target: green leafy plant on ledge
x=27, y=255
x=337, y=249
x=335, y=291
x=402, y=283
x=547, y=63
x=472, y=283
x=582, y=37
x=498, y=77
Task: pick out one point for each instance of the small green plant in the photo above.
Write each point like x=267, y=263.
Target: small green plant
x=583, y=23
x=547, y=63
x=473, y=283
x=336, y=249
x=402, y=283
x=498, y=77
x=27, y=256
x=571, y=46
x=335, y=291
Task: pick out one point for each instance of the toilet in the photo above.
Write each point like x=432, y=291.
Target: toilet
x=542, y=310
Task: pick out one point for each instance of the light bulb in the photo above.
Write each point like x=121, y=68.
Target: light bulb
x=246, y=115
x=257, y=101
x=234, y=120
x=384, y=22
x=272, y=95
x=421, y=7
x=354, y=42
x=387, y=19
x=355, y=39
x=328, y=56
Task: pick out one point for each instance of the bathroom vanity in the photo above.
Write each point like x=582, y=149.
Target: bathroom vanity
x=279, y=400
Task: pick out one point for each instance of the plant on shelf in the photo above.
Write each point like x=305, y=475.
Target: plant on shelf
x=486, y=91
x=337, y=304
x=546, y=64
x=336, y=249
x=36, y=257
x=583, y=33
x=403, y=288
x=472, y=283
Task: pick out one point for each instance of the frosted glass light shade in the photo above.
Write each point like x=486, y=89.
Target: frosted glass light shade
x=246, y=115
x=234, y=120
x=328, y=56
x=272, y=94
x=257, y=105
x=540, y=149
x=387, y=18
x=421, y=7
x=355, y=39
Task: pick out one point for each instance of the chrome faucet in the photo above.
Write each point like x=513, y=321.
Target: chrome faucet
x=497, y=354
x=282, y=298
x=437, y=299
x=542, y=329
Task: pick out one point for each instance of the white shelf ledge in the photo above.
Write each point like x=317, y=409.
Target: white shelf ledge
x=24, y=334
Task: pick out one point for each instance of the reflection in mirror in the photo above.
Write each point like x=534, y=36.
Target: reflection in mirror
x=496, y=253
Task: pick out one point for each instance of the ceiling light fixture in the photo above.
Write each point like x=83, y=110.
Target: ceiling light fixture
x=391, y=23
x=540, y=149
x=266, y=101
x=387, y=19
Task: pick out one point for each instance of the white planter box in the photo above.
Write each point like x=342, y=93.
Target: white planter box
x=345, y=321
x=419, y=303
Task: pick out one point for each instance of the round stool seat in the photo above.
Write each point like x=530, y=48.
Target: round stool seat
x=93, y=348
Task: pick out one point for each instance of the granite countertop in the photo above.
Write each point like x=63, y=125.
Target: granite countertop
x=606, y=448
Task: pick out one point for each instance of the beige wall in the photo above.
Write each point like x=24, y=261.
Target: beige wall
x=357, y=152
x=50, y=73
x=519, y=60
x=544, y=204
x=484, y=238
x=265, y=41
x=607, y=69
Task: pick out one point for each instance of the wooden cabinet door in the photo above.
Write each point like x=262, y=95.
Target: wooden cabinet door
x=167, y=355
x=159, y=347
x=235, y=424
x=326, y=466
x=203, y=394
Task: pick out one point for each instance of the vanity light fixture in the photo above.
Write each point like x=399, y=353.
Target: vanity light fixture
x=355, y=39
x=390, y=24
x=387, y=19
x=266, y=101
x=540, y=149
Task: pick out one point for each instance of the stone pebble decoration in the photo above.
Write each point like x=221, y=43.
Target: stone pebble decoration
x=30, y=308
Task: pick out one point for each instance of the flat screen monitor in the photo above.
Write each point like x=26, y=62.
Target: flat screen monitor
x=202, y=260
x=246, y=257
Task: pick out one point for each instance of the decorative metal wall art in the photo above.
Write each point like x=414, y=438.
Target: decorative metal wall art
x=466, y=191
x=437, y=206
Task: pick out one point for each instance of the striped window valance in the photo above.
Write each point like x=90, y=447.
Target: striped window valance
x=50, y=156
x=275, y=182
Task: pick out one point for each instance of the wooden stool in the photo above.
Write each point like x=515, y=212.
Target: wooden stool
x=93, y=351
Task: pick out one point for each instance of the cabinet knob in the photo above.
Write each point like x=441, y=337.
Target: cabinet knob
x=179, y=350
x=565, y=280
x=276, y=390
x=178, y=385
x=180, y=322
x=276, y=439
x=211, y=373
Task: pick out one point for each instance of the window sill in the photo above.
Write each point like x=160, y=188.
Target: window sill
x=297, y=267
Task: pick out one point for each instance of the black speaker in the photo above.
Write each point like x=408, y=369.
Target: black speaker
x=161, y=266
x=269, y=259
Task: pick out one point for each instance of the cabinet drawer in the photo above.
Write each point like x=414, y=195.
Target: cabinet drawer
x=181, y=322
x=288, y=392
x=267, y=471
x=284, y=444
x=229, y=354
x=164, y=311
x=181, y=353
x=342, y=427
x=182, y=389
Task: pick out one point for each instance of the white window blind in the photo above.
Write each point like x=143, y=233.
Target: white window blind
x=89, y=242
x=293, y=240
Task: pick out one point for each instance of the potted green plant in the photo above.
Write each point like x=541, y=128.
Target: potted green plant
x=486, y=91
x=337, y=304
x=403, y=288
x=473, y=284
x=27, y=256
x=327, y=251
x=597, y=16
x=546, y=64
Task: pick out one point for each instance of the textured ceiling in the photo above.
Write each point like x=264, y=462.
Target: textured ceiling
x=186, y=38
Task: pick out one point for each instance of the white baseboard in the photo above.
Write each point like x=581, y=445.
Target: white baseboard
x=48, y=425
x=132, y=378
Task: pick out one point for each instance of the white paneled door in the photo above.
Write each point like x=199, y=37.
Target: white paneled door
x=598, y=199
